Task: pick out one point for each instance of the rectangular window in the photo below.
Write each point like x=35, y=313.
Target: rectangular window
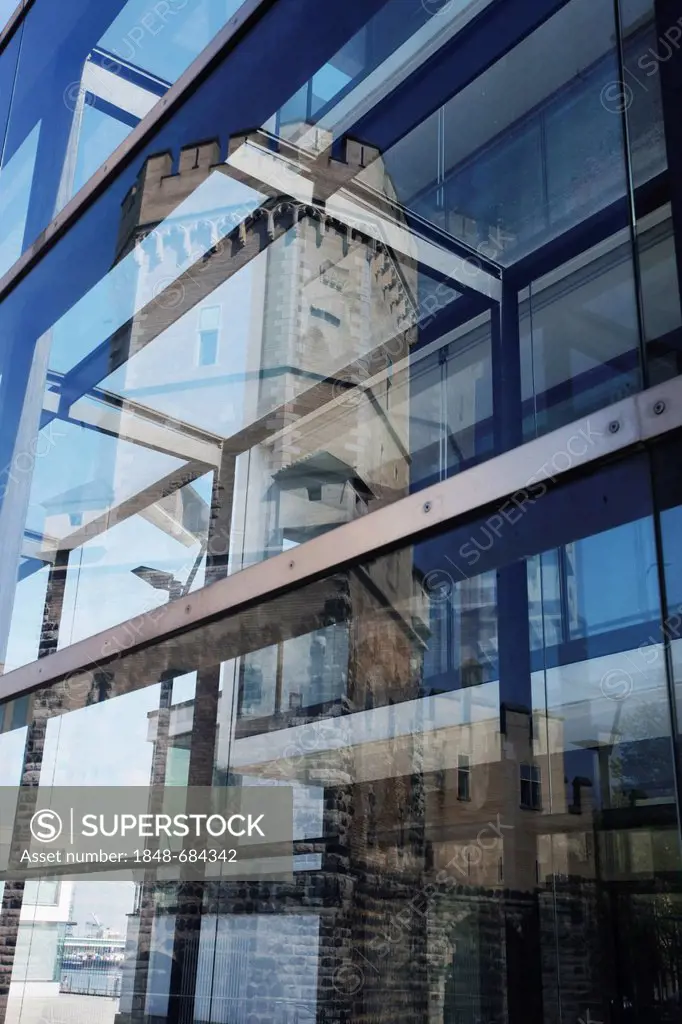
x=531, y=787
x=20, y=709
x=209, y=335
x=322, y=314
x=463, y=778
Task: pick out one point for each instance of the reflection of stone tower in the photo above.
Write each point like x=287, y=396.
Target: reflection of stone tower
x=371, y=844
x=408, y=908
x=330, y=311
x=325, y=438
x=336, y=308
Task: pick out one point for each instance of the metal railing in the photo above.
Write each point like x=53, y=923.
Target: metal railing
x=92, y=967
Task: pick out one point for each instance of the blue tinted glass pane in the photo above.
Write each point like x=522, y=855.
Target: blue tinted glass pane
x=164, y=39
x=365, y=350
x=328, y=81
x=574, y=585
x=668, y=483
x=583, y=335
x=8, y=66
x=17, y=179
x=326, y=690
x=626, y=554
x=15, y=185
x=101, y=133
x=501, y=188
x=87, y=74
x=584, y=172
x=651, y=70
x=671, y=525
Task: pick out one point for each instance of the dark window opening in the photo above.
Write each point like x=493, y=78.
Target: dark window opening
x=531, y=787
x=463, y=778
x=322, y=314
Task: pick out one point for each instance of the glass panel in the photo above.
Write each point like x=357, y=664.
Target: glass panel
x=12, y=745
x=9, y=183
x=281, y=329
x=645, y=97
x=71, y=935
x=485, y=826
x=669, y=497
x=87, y=75
x=16, y=183
x=584, y=334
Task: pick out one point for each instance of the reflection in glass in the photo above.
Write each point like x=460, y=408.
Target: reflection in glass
x=669, y=498
x=297, y=327
x=398, y=275
x=649, y=111
x=484, y=795
x=16, y=179
x=85, y=79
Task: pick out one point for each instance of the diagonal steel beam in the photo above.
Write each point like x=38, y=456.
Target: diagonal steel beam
x=137, y=503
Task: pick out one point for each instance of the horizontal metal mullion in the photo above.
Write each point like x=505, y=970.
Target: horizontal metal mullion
x=586, y=441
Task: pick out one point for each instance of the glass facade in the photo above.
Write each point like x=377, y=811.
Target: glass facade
x=442, y=239
x=86, y=75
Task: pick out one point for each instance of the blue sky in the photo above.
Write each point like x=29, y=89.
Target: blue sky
x=6, y=8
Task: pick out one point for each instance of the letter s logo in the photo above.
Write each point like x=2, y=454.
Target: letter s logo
x=46, y=826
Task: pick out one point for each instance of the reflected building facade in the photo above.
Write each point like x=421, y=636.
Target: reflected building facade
x=341, y=421
x=322, y=292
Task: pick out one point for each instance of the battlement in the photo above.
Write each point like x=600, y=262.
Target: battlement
x=163, y=183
